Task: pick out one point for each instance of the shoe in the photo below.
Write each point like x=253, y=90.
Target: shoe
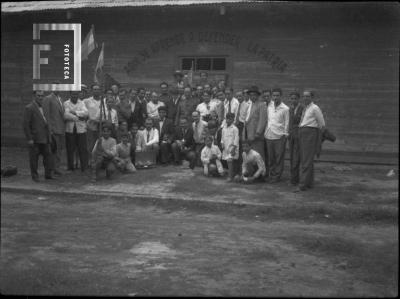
x=35, y=179
x=50, y=178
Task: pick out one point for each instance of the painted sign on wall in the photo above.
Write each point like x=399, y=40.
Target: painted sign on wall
x=213, y=37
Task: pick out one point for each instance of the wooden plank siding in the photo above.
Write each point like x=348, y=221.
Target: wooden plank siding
x=349, y=54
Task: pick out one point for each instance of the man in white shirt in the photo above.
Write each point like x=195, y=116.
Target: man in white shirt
x=110, y=115
x=200, y=131
x=93, y=106
x=148, y=139
x=276, y=133
x=206, y=107
x=231, y=105
x=253, y=167
x=153, y=105
x=75, y=116
x=311, y=122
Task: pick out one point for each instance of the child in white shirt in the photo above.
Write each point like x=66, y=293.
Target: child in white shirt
x=211, y=158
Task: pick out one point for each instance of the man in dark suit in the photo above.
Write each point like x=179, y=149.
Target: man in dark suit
x=166, y=129
x=295, y=111
x=54, y=108
x=256, y=121
x=172, y=105
x=138, y=109
x=165, y=95
x=37, y=133
x=183, y=143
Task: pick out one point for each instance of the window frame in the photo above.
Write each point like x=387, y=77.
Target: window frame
x=211, y=57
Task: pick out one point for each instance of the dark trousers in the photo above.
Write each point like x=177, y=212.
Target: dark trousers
x=251, y=170
x=57, y=155
x=276, y=155
x=294, y=150
x=197, y=162
x=35, y=151
x=92, y=137
x=76, y=141
x=308, y=138
x=165, y=152
x=266, y=160
x=258, y=145
x=240, y=127
x=104, y=163
x=180, y=154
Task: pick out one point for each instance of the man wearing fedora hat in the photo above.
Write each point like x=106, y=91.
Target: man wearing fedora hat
x=255, y=121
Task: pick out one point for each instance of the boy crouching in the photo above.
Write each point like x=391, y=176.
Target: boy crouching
x=211, y=158
x=123, y=158
x=253, y=167
x=104, y=153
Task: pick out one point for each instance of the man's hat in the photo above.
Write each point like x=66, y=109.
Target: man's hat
x=83, y=87
x=178, y=73
x=254, y=89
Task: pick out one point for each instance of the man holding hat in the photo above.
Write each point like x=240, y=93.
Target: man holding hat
x=255, y=121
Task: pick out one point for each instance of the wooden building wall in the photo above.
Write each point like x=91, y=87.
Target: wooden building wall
x=349, y=54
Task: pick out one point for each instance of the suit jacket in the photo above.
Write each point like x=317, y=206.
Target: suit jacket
x=167, y=128
x=172, y=108
x=294, y=120
x=35, y=127
x=257, y=121
x=55, y=111
x=124, y=111
x=138, y=114
x=188, y=136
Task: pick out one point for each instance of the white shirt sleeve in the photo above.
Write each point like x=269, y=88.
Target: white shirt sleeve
x=155, y=138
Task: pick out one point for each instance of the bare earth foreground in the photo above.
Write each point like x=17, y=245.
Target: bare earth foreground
x=174, y=232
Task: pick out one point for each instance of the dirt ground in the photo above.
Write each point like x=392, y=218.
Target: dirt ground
x=171, y=231
x=106, y=246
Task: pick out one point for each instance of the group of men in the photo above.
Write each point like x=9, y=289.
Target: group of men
x=242, y=135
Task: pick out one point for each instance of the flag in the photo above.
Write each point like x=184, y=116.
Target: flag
x=88, y=45
x=109, y=81
x=99, y=66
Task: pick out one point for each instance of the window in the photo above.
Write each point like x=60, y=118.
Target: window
x=203, y=63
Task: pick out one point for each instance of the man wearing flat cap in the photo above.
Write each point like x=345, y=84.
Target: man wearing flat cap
x=255, y=121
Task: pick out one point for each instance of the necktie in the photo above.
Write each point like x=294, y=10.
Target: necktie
x=42, y=113
x=62, y=106
x=103, y=109
x=249, y=110
x=302, y=115
x=148, y=136
x=230, y=106
x=109, y=114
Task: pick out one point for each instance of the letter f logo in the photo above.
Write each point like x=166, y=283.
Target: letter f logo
x=37, y=61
